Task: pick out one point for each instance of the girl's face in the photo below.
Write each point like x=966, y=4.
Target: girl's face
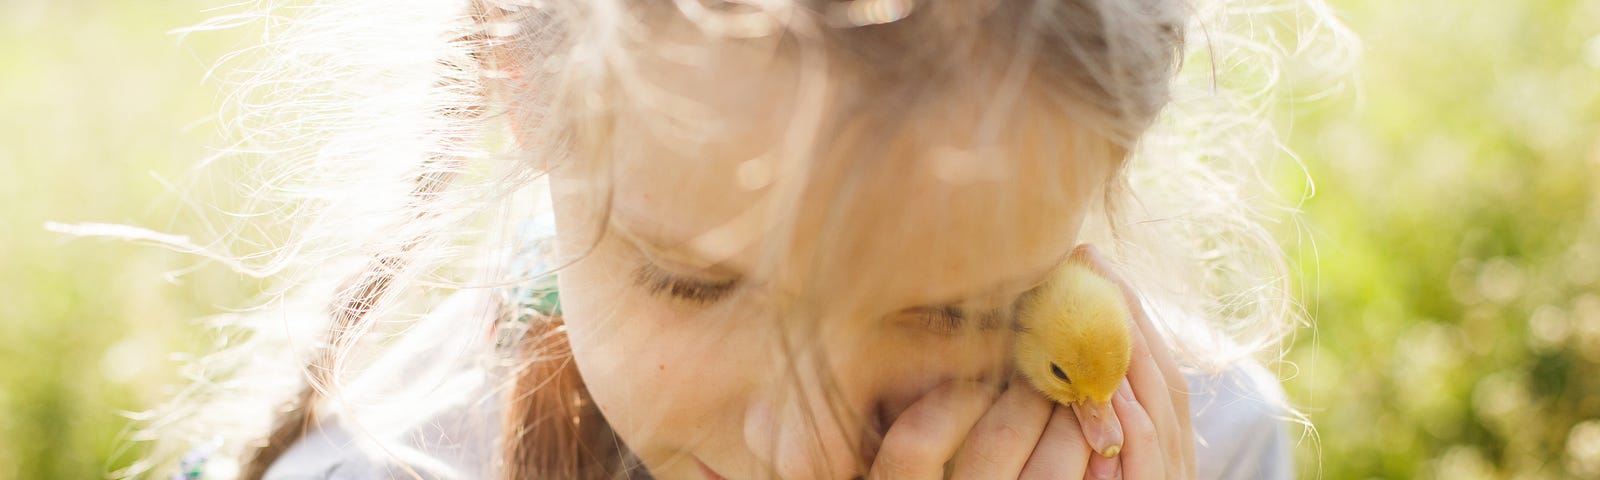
x=750, y=319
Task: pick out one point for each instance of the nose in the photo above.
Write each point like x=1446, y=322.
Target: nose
x=825, y=418
x=805, y=436
x=801, y=437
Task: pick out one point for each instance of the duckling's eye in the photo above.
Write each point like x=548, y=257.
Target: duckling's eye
x=1055, y=370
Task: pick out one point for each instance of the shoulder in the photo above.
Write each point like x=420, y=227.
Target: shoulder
x=326, y=454
x=426, y=408
x=456, y=443
x=1240, y=423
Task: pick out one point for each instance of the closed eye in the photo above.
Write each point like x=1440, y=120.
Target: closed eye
x=699, y=292
x=950, y=318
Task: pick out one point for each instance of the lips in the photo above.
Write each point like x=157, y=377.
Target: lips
x=709, y=473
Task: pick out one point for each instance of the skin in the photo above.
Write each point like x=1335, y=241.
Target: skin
x=686, y=384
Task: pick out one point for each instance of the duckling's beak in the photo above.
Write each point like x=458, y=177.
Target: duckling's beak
x=1100, y=427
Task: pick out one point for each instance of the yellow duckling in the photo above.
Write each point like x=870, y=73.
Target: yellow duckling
x=1074, y=346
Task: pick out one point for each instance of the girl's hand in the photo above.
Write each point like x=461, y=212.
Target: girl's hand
x=1024, y=435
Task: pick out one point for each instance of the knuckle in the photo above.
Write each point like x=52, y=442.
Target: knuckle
x=1144, y=434
x=991, y=446
x=1139, y=429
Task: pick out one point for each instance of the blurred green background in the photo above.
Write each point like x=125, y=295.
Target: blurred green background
x=97, y=100
x=1457, y=224
x=1455, y=274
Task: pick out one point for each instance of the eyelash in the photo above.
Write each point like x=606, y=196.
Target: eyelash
x=699, y=292
x=658, y=282
x=944, y=319
x=951, y=318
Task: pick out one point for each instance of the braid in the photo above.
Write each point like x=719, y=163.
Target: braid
x=551, y=429
x=349, y=323
x=352, y=312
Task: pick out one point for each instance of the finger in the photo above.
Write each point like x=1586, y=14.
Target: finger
x=1104, y=468
x=999, y=445
x=927, y=434
x=1150, y=382
x=1166, y=401
x=1151, y=341
x=1142, y=456
x=1062, y=452
x=1100, y=427
x=1157, y=398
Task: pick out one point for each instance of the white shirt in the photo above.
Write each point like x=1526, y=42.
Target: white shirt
x=1240, y=433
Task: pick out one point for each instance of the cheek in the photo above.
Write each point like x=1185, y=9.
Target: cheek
x=655, y=371
x=616, y=322
x=920, y=362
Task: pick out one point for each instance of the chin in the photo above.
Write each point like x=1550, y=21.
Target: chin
x=683, y=467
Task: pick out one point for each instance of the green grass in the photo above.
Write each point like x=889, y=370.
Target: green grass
x=1455, y=279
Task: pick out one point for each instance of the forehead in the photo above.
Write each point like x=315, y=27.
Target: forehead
x=900, y=209
x=736, y=156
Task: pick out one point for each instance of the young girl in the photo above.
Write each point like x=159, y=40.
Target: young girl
x=740, y=239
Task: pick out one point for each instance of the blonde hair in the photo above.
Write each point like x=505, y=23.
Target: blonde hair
x=394, y=144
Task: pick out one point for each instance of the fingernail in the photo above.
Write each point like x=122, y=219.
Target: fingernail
x=1112, y=451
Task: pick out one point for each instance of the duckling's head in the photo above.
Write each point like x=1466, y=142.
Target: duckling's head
x=1075, y=337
